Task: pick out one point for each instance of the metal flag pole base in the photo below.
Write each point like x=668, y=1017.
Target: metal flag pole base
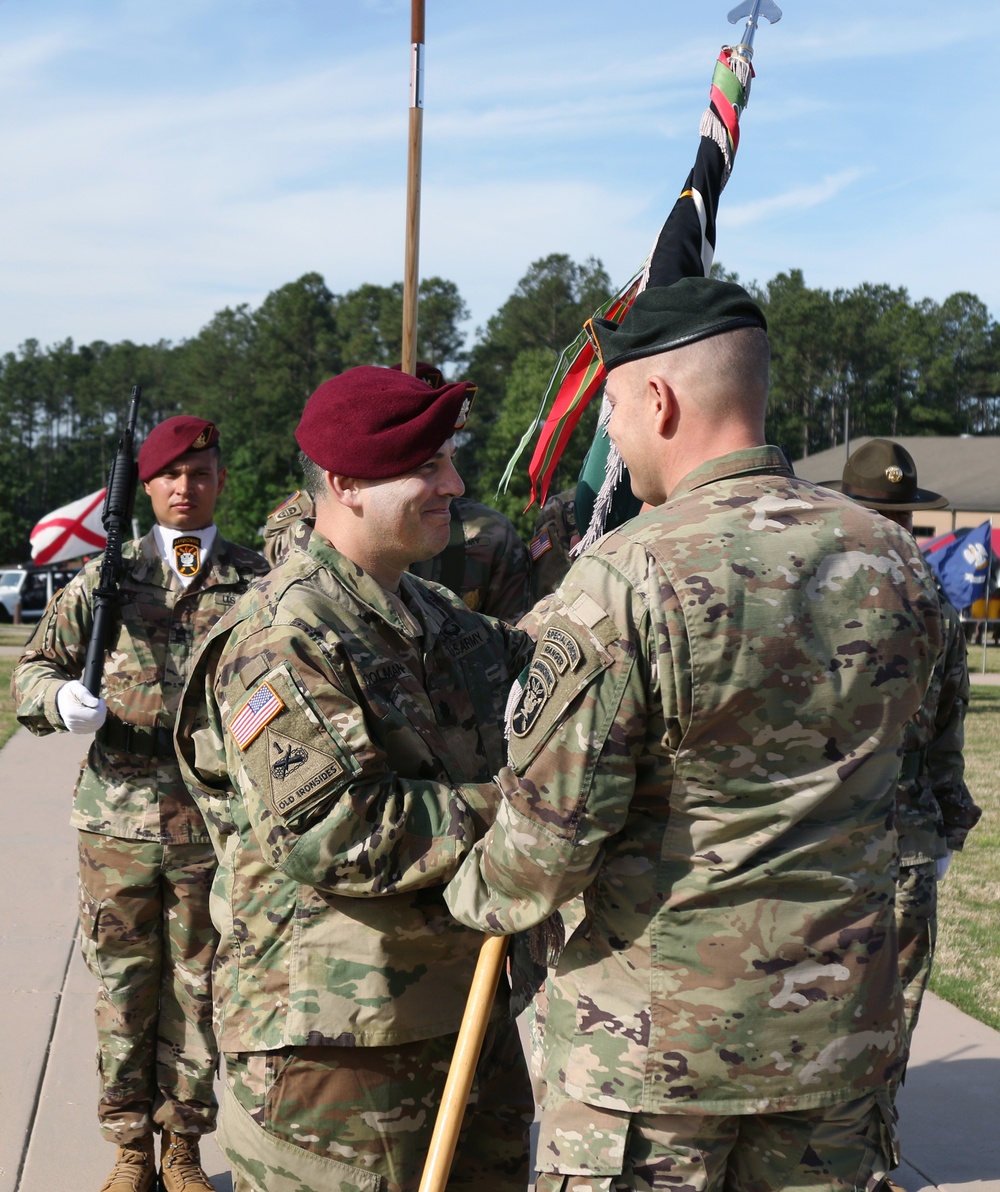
x=469, y=1044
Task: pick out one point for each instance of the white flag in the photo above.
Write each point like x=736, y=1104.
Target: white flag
x=71, y=531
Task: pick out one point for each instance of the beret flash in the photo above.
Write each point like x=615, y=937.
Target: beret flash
x=666, y=317
x=171, y=439
x=373, y=422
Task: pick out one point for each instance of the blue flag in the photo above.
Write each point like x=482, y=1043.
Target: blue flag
x=963, y=567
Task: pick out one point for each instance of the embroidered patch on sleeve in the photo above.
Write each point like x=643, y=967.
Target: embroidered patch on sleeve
x=539, y=545
x=299, y=771
x=254, y=716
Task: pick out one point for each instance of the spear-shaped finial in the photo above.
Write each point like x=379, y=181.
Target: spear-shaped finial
x=754, y=10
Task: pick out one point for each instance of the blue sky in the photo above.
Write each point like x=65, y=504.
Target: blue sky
x=163, y=159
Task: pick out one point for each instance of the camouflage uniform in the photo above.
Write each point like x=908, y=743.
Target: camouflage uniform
x=485, y=562
x=556, y=533
x=361, y=731
x=146, y=861
x=703, y=762
x=934, y=810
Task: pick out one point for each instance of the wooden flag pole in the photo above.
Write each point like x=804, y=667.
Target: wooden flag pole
x=469, y=1044
x=411, y=270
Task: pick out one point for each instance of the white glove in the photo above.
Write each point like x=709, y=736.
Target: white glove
x=81, y=712
x=941, y=865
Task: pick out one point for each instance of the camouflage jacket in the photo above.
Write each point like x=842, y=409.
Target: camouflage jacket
x=485, y=562
x=555, y=535
x=703, y=763
x=130, y=786
x=361, y=731
x=934, y=809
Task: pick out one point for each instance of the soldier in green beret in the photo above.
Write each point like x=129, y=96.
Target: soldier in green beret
x=341, y=732
x=696, y=814
x=934, y=810
x=146, y=862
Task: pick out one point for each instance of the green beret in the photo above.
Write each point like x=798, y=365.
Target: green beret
x=666, y=317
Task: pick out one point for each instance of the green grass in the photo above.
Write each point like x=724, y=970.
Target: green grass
x=992, y=658
x=967, y=966
x=15, y=635
x=7, y=722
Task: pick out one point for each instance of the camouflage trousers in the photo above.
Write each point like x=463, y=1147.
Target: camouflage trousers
x=147, y=937
x=849, y=1146
x=341, y=1119
x=916, y=930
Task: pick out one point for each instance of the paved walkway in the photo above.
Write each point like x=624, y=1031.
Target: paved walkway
x=49, y=1142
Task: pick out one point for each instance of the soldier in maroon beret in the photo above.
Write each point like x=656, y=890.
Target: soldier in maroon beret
x=358, y=711
x=484, y=560
x=146, y=862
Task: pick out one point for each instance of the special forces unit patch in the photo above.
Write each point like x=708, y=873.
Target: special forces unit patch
x=187, y=555
x=255, y=715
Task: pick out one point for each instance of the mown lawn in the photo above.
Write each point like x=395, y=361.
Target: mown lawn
x=12, y=636
x=967, y=968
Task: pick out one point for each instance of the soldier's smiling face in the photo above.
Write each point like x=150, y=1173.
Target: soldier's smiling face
x=408, y=517
x=185, y=492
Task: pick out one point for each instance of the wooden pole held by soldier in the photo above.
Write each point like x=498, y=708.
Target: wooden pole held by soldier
x=411, y=270
x=468, y=1045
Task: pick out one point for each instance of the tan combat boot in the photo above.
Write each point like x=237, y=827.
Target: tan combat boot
x=180, y=1164
x=134, y=1169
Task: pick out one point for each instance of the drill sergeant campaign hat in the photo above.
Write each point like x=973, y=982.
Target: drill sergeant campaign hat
x=666, y=317
x=372, y=423
x=171, y=439
x=882, y=475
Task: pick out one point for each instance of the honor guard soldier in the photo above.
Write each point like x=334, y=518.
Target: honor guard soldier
x=146, y=861
x=340, y=732
x=934, y=809
x=699, y=800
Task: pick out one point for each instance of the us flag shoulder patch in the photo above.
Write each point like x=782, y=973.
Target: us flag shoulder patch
x=538, y=546
x=258, y=712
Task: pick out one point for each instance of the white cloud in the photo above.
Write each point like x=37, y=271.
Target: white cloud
x=802, y=198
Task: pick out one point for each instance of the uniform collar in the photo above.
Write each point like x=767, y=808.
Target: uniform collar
x=152, y=569
x=407, y=612
x=747, y=462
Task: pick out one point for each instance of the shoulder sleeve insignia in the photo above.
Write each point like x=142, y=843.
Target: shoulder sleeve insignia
x=255, y=714
x=533, y=697
x=566, y=645
x=539, y=545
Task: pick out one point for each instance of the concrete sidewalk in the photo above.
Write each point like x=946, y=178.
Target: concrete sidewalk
x=49, y=1141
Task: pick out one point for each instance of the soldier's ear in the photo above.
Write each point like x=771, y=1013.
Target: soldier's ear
x=345, y=490
x=662, y=404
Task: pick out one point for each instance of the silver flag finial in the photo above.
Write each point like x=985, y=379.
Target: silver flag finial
x=754, y=10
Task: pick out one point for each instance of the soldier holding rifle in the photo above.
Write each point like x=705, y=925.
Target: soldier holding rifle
x=358, y=713
x=146, y=862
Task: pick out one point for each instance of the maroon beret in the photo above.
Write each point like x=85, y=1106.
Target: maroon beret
x=171, y=439
x=372, y=422
x=425, y=372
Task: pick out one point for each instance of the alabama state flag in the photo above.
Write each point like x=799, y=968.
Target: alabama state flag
x=71, y=531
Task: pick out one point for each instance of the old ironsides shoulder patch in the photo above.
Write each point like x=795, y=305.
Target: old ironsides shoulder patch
x=297, y=771
x=255, y=715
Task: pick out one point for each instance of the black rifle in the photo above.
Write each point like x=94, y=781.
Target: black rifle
x=117, y=518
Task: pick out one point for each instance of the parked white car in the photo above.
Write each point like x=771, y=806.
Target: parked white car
x=32, y=588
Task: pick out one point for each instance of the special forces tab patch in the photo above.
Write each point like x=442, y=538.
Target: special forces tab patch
x=255, y=715
x=297, y=772
x=565, y=643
